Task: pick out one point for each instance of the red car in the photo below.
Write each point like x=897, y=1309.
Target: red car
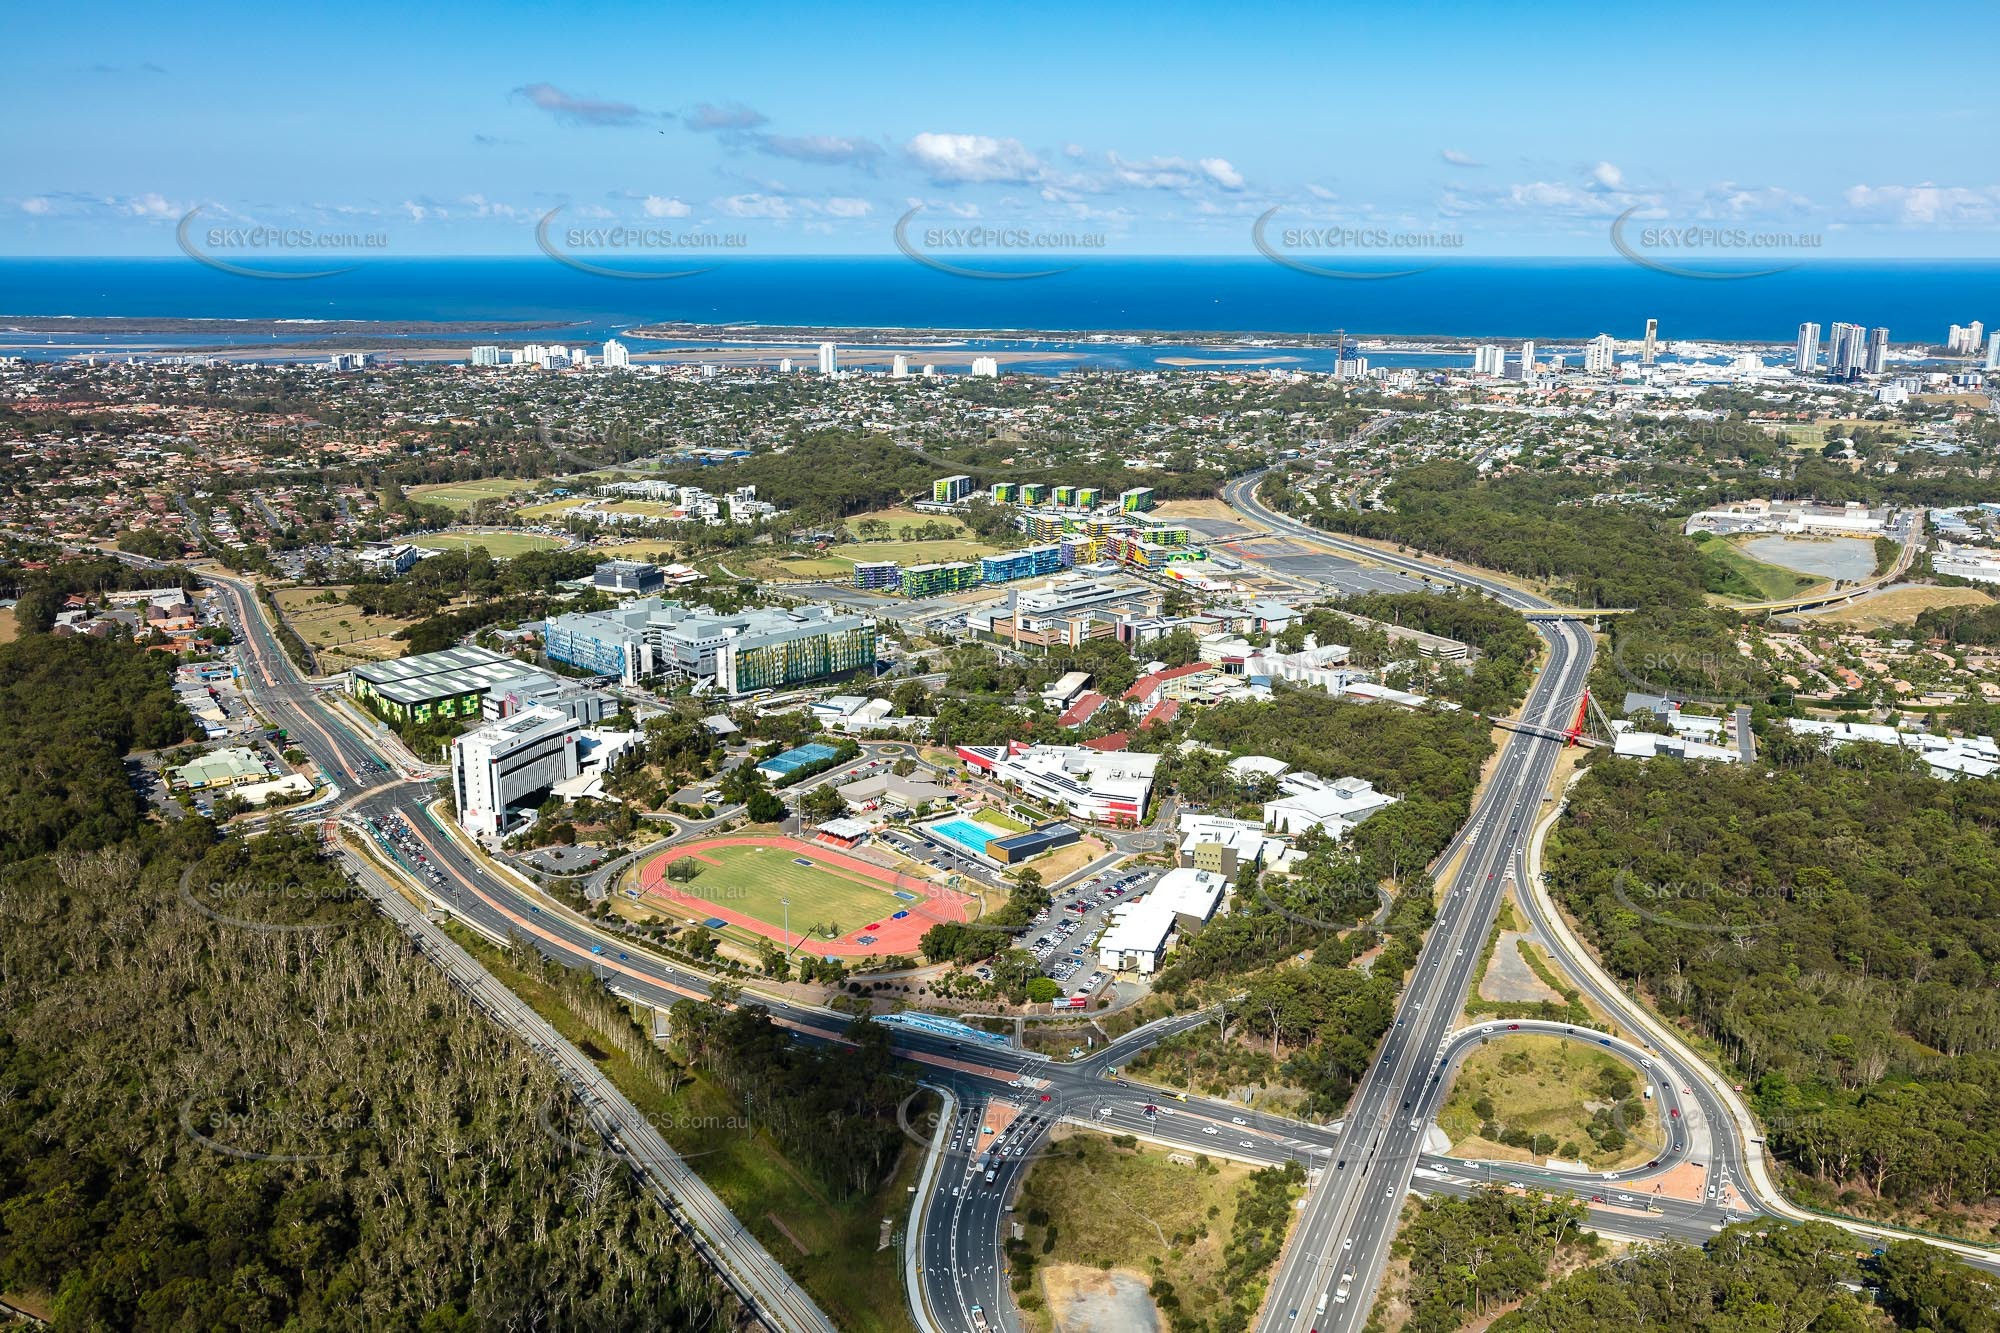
x=1675, y=1112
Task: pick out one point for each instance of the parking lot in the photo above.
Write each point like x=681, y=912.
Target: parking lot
x=1061, y=937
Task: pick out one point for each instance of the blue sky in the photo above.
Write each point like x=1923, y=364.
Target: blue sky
x=1165, y=128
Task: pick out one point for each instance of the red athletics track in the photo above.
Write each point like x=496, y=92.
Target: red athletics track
x=888, y=936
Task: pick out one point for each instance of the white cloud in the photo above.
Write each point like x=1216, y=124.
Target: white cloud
x=151, y=206
x=1926, y=205
x=973, y=158
x=1608, y=176
x=1458, y=159
x=1223, y=174
x=833, y=149
x=37, y=206
x=728, y=116
x=572, y=110
x=788, y=207
x=658, y=206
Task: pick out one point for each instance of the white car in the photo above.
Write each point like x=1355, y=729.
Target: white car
x=1211, y=1129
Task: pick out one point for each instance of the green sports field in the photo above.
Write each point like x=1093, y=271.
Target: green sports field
x=499, y=545
x=756, y=880
x=462, y=495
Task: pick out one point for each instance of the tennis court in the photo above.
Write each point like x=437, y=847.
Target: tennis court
x=745, y=881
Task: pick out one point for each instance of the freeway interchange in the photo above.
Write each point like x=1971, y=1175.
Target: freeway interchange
x=1359, y=1170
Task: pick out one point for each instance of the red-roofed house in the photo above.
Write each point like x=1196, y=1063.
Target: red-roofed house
x=1079, y=712
x=1165, y=711
x=1116, y=741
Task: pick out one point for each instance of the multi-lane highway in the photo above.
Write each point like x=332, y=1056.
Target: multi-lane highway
x=1359, y=1171
x=1341, y=1243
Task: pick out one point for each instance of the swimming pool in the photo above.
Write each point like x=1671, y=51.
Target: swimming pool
x=967, y=833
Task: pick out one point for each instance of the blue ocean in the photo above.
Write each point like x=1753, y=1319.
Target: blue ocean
x=1219, y=301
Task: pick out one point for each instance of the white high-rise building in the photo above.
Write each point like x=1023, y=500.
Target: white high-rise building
x=1878, y=351
x=829, y=359
x=784, y=365
x=1600, y=355
x=986, y=367
x=1954, y=340
x=1651, y=350
x=615, y=355
x=1489, y=359
x=1805, y=356
x=1846, y=349
x=499, y=765
x=1993, y=351
x=899, y=368
x=1528, y=360
x=488, y=355
x=1966, y=339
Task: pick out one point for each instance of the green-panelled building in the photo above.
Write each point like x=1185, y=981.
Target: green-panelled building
x=940, y=579
x=787, y=657
x=449, y=683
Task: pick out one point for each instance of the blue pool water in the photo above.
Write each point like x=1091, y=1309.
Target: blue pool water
x=967, y=834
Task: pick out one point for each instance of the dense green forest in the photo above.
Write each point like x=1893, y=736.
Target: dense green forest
x=236, y=1099
x=1971, y=625
x=1751, y=1280
x=831, y=1109
x=1312, y=1027
x=1469, y=1257
x=1532, y=524
x=1832, y=923
x=73, y=707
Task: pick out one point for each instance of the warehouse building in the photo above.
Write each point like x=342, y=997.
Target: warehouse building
x=450, y=683
x=1019, y=847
